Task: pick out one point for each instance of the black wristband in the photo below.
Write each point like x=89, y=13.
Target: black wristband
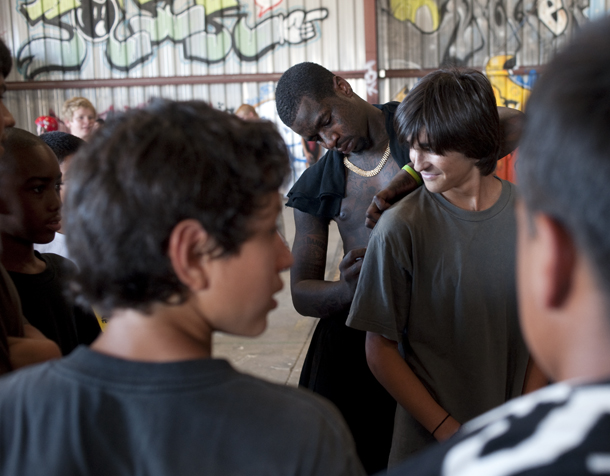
x=439, y=425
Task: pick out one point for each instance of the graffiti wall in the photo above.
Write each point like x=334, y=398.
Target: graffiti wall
x=100, y=41
x=127, y=35
x=494, y=35
x=56, y=40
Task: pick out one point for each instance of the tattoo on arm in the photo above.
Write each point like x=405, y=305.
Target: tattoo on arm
x=311, y=295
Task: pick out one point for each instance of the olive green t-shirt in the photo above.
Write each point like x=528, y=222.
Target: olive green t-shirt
x=440, y=281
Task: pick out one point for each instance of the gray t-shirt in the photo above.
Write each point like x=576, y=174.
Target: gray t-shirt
x=440, y=281
x=91, y=414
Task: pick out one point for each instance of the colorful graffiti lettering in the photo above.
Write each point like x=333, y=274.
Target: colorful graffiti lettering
x=421, y=13
x=425, y=16
x=131, y=31
x=459, y=30
x=553, y=15
x=266, y=5
x=510, y=90
x=424, y=34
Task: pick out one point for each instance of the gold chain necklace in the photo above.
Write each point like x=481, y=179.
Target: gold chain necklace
x=368, y=173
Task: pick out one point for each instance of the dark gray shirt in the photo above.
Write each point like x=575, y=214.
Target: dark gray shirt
x=91, y=414
x=440, y=281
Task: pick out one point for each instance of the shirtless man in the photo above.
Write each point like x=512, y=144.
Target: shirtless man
x=364, y=155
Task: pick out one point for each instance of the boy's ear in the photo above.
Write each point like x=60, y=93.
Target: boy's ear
x=559, y=256
x=342, y=86
x=188, y=244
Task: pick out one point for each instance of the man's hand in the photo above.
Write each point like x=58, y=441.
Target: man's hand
x=399, y=187
x=350, y=267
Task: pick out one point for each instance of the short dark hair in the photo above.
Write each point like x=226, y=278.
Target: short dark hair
x=147, y=170
x=16, y=139
x=6, y=62
x=62, y=143
x=457, y=110
x=303, y=79
x=564, y=162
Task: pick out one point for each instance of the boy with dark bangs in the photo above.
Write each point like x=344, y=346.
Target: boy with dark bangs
x=436, y=293
x=563, y=275
x=171, y=215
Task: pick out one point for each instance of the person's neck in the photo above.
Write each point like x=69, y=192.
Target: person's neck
x=377, y=132
x=18, y=256
x=477, y=193
x=170, y=333
x=585, y=330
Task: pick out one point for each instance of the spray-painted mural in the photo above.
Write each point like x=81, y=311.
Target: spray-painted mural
x=131, y=31
x=91, y=40
x=456, y=30
x=497, y=35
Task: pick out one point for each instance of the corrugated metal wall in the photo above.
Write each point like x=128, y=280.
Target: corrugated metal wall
x=106, y=40
x=120, y=53
x=508, y=39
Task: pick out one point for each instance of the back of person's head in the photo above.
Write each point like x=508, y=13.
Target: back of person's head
x=304, y=79
x=455, y=110
x=6, y=62
x=246, y=112
x=564, y=162
x=62, y=143
x=73, y=104
x=146, y=171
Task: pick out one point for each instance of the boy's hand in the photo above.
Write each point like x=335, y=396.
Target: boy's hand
x=350, y=267
x=447, y=429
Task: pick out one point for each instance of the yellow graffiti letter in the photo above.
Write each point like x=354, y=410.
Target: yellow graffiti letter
x=49, y=8
x=422, y=13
